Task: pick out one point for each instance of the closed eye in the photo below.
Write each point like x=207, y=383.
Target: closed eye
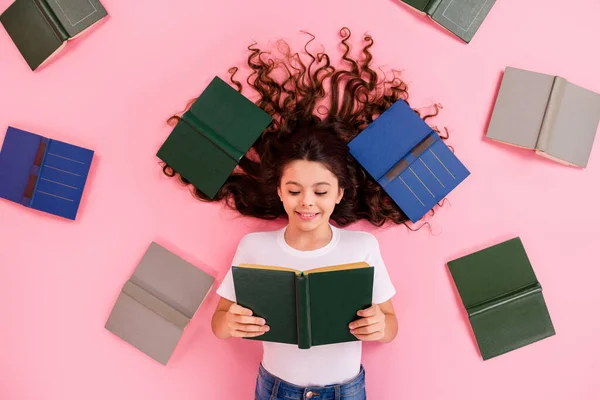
x=320, y=193
x=293, y=193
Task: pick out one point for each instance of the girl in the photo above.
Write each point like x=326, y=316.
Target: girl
x=314, y=177
x=300, y=168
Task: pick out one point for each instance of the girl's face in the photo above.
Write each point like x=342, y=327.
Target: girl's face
x=309, y=192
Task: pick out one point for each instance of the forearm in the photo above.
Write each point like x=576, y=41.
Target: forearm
x=219, y=325
x=391, y=328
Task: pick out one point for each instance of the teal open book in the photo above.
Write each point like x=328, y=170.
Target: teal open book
x=503, y=298
x=309, y=308
x=212, y=136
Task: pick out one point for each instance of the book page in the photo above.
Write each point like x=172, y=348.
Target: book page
x=268, y=267
x=340, y=267
x=520, y=107
x=575, y=126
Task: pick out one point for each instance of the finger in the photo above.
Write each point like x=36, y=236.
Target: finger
x=250, y=328
x=367, y=330
x=370, y=337
x=237, y=309
x=368, y=312
x=242, y=319
x=362, y=322
x=242, y=334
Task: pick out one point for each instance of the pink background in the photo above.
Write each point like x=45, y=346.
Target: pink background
x=112, y=91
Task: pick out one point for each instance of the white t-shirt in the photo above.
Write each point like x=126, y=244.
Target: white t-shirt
x=319, y=365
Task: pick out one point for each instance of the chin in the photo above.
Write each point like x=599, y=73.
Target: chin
x=307, y=227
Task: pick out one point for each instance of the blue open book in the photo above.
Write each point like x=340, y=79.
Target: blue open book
x=43, y=173
x=408, y=159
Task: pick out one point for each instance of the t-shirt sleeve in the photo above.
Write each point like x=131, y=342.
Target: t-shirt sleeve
x=383, y=288
x=227, y=288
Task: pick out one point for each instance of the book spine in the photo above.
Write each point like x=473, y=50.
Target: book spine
x=432, y=6
x=552, y=109
x=303, y=311
x=35, y=172
x=404, y=163
x=155, y=304
x=55, y=24
x=504, y=299
x=212, y=136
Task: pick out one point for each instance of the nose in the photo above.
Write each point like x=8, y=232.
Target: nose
x=308, y=200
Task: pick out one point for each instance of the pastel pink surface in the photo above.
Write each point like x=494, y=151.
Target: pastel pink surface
x=112, y=91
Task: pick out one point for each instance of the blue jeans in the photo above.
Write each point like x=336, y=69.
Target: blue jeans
x=269, y=387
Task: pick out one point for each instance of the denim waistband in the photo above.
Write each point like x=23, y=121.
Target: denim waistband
x=282, y=389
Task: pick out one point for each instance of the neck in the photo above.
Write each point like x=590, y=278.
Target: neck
x=308, y=240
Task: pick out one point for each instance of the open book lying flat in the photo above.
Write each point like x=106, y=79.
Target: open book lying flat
x=212, y=136
x=41, y=28
x=157, y=303
x=408, y=159
x=502, y=297
x=44, y=174
x=547, y=114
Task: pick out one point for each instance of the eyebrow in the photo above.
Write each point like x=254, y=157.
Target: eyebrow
x=316, y=184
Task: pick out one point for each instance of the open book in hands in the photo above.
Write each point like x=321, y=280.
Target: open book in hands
x=307, y=308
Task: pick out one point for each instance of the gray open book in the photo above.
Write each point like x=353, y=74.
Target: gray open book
x=547, y=114
x=158, y=302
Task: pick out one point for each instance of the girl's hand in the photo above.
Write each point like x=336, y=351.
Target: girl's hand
x=371, y=327
x=241, y=323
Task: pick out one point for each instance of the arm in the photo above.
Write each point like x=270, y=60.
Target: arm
x=391, y=321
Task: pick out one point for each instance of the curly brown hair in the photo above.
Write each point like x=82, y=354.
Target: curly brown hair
x=317, y=109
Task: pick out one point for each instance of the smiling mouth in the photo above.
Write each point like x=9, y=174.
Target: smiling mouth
x=307, y=216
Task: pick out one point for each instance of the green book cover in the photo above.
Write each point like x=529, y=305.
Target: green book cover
x=461, y=17
x=418, y=4
x=41, y=28
x=212, y=136
x=503, y=298
x=309, y=308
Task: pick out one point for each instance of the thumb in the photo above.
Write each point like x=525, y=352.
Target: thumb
x=367, y=312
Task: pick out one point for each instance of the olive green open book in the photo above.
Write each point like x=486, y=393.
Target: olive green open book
x=307, y=308
x=503, y=298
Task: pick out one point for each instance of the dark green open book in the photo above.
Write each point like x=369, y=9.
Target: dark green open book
x=309, y=308
x=212, y=136
x=503, y=298
x=41, y=28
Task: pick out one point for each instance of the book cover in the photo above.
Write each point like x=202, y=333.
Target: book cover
x=308, y=308
x=503, y=298
x=42, y=173
x=212, y=136
x=461, y=17
x=40, y=28
x=75, y=16
x=547, y=114
x=408, y=159
x=157, y=303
